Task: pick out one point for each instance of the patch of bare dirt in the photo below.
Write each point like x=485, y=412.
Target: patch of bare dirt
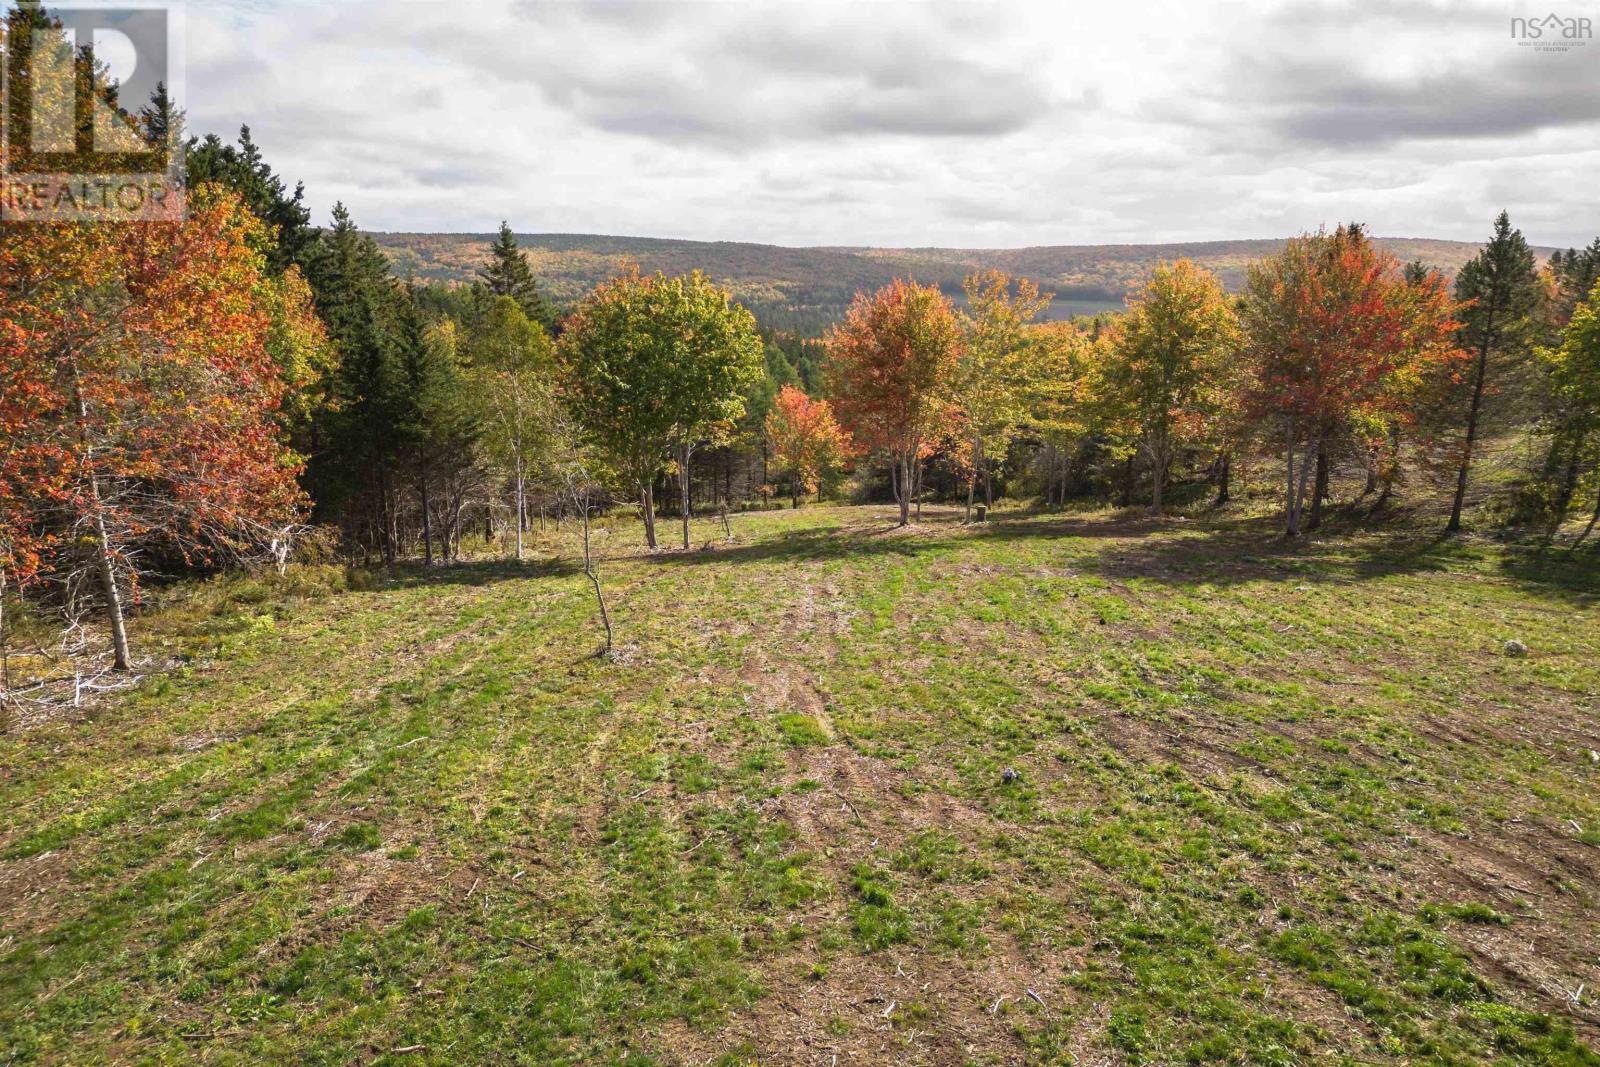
x=1547, y=951
x=903, y=1007
x=780, y=687
x=33, y=892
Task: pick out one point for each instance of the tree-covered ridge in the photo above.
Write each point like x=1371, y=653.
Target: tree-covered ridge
x=809, y=288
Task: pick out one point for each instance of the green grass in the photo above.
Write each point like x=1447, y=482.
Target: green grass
x=1268, y=804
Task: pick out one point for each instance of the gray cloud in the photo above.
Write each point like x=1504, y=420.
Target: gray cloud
x=1345, y=76
x=1323, y=103
x=740, y=75
x=842, y=122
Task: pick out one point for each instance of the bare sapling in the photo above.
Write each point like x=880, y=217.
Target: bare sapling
x=580, y=499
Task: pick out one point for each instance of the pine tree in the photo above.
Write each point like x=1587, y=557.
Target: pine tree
x=1504, y=292
x=508, y=274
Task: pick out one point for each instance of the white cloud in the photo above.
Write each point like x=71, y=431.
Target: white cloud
x=960, y=123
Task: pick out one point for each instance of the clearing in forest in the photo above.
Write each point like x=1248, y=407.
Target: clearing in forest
x=1058, y=789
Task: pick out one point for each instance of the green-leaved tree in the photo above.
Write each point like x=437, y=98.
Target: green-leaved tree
x=1169, y=364
x=657, y=366
x=513, y=372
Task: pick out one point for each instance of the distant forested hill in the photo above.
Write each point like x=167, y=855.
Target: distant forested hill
x=807, y=288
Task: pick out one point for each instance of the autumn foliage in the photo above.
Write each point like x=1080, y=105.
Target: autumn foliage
x=892, y=363
x=806, y=438
x=140, y=397
x=1336, y=337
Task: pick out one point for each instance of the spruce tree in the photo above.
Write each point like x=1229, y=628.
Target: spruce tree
x=1503, y=288
x=1575, y=273
x=430, y=407
x=356, y=443
x=508, y=274
x=243, y=170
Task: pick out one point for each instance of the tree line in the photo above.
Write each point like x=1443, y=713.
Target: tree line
x=181, y=396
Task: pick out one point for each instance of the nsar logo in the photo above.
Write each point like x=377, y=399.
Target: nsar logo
x=1552, y=33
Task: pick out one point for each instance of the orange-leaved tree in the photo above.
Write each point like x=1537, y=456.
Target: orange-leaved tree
x=140, y=393
x=891, y=367
x=807, y=439
x=1335, y=334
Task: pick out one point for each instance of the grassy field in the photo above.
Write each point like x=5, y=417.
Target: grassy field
x=1078, y=789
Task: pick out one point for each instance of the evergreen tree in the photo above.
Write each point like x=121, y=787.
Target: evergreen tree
x=245, y=172
x=508, y=274
x=1575, y=274
x=1503, y=292
x=430, y=407
x=348, y=474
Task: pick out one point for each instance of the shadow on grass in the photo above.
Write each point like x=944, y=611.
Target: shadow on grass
x=1190, y=552
x=1222, y=552
x=474, y=573
x=808, y=545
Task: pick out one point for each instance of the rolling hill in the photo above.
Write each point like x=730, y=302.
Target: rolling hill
x=806, y=288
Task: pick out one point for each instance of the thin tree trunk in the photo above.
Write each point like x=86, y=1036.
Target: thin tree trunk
x=105, y=564
x=1303, y=483
x=1454, y=525
x=5, y=660
x=918, y=469
x=5, y=655
x=970, y=479
x=1158, y=478
x=1291, y=520
x=902, y=490
x=385, y=513
x=522, y=508
x=1593, y=519
x=647, y=508
x=427, y=518
x=1319, y=490
x=684, y=454
x=1224, y=475
x=588, y=569
x=1568, y=488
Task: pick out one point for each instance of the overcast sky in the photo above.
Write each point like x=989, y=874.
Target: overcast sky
x=965, y=124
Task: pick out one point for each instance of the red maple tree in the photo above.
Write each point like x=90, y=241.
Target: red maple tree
x=891, y=364
x=807, y=439
x=139, y=398
x=1337, y=336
